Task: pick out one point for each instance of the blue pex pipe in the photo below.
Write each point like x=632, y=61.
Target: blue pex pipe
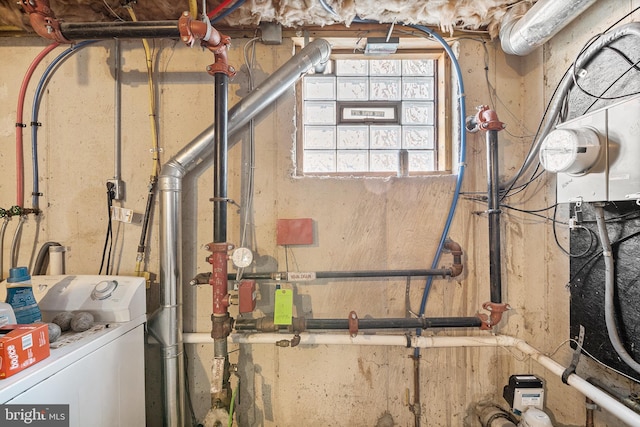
x=461, y=162
x=462, y=157
x=34, y=115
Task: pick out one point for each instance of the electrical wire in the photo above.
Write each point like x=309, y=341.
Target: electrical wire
x=609, y=292
x=152, y=101
x=108, y=241
x=606, y=98
x=20, y=125
x=597, y=254
x=246, y=204
x=632, y=67
x=568, y=252
x=155, y=149
x=193, y=8
x=113, y=12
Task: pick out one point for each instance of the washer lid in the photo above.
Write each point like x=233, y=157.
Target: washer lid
x=108, y=298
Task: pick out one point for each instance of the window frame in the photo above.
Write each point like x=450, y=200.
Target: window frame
x=443, y=116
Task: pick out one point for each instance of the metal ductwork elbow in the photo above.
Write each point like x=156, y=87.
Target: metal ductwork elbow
x=521, y=33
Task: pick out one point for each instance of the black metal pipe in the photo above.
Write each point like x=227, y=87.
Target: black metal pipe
x=415, y=406
x=123, y=30
x=493, y=209
x=350, y=274
x=220, y=159
x=366, y=323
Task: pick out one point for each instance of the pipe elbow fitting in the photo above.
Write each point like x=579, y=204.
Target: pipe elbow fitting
x=456, y=251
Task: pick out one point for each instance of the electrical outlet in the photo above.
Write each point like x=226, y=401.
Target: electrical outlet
x=118, y=188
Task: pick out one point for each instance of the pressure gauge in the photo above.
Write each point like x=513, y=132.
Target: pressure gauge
x=242, y=257
x=572, y=151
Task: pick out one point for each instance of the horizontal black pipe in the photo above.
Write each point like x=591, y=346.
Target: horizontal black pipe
x=350, y=274
x=366, y=323
x=124, y=30
x=397, y=323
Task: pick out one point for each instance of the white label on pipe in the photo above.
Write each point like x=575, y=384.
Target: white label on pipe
x=217, y=371
x=297, y=276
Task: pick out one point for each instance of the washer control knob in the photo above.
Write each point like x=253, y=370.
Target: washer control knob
x=104, y=289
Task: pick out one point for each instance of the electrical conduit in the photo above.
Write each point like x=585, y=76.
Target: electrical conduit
x=609, y=291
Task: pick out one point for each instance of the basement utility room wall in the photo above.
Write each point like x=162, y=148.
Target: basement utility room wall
x=359, y=224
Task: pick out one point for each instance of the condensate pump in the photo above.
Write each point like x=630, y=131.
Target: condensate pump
x=524, y=391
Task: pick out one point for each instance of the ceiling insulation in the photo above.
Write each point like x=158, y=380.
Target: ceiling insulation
x=448, y=15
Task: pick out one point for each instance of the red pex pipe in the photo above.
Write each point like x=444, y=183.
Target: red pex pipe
x=20, y=125
x=218, y=8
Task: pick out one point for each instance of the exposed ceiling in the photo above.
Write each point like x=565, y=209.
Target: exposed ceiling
x=448, y=15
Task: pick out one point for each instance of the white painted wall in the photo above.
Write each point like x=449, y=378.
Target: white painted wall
x=360, y=224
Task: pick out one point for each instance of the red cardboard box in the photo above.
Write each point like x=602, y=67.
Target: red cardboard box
x=21, y=346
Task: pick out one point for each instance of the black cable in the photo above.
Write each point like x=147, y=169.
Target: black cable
x=598, y=254
x=624, y=56
x=520, y=188
x=555, y=221
x=536, y=210
x=633, y=66
x=535, y=137
x=588, y=44
x=584, y=253
x=108, y=241
x=530, y=212
x=606, y=98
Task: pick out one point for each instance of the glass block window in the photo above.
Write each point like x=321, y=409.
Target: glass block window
x=371, y=116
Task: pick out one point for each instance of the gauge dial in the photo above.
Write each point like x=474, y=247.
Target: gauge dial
x=242, y=257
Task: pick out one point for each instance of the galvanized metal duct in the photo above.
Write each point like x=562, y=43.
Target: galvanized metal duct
x=166, y=323
x=521, y=35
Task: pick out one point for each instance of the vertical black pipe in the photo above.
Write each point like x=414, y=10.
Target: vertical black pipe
x=220, y=160
x=495, y=265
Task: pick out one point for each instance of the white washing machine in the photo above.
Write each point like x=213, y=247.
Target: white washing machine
x=99, y=373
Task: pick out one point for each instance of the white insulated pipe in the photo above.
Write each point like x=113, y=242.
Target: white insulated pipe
x=598, y=396
x=522, y=35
